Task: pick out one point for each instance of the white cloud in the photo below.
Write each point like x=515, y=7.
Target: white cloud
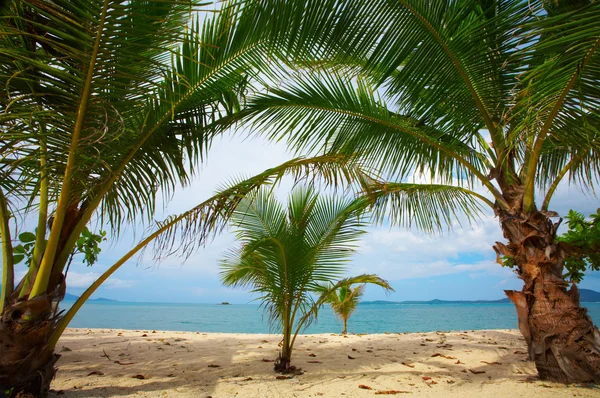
x=477, y=238
x=85, y=279
x=398, y=269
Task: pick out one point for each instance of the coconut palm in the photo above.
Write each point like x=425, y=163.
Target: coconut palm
x=343, y=302
x=286, y=256
x=494, y=102
x=104, y=104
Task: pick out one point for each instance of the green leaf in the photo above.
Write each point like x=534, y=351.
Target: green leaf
x=27, y=237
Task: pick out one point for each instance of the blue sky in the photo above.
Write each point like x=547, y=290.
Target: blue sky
x=458, y=265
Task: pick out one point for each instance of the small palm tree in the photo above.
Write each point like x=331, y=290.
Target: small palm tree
x=288, y=255
x=344, y=300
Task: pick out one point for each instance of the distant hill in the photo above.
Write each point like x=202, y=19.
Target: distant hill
x=585, y=296
x=589, y=296
x=436, y=301
x=72, y=297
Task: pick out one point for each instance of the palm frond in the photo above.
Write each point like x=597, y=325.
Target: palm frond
x=331, y=112
x=429, y=207
x=196, y=226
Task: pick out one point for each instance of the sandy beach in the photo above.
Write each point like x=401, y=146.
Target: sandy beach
x=147, y=363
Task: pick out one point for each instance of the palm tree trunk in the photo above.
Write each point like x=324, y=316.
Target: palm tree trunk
x=345, y=331
x=562, y=340
x=27, y=361
x=283, y=363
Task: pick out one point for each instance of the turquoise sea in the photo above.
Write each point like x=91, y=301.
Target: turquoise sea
x=248, y=318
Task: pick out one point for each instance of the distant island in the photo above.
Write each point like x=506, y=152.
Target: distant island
x=225, y=303
x=72, y=297
x=585, y=296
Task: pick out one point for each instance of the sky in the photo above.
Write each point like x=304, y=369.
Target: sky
x=456, y=265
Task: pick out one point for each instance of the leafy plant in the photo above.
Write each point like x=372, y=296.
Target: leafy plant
x=24, y=250
x=288, y=254
x=344, y=301
x=88, y=244
x=583, y=239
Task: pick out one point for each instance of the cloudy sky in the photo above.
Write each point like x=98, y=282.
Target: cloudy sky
x=458, y=265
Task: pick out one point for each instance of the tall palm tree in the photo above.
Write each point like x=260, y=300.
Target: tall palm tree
x=105, y=103
x=495, y=101
x=344, y=301
x=287, y=255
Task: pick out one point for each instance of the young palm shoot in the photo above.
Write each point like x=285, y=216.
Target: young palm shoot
x=288, y=254
x=344, y=302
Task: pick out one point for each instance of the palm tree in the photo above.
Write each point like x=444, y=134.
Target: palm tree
x=496, y=102
x=104, y=104
x=287, y=256
x=343, y=302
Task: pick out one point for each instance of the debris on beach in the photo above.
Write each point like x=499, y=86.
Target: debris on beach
x=442, y=356
x=476, y=372
x=124, y=363
x=391, y=392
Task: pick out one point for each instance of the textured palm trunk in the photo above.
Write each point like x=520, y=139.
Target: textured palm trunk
x=345, y=331
x=27, y=361
x=562, y=340
x=283, y=362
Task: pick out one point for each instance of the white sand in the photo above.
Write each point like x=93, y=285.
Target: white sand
x=178, y=364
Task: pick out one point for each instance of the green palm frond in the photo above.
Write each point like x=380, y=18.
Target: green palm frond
x=578, y=155
x=344, y=301
x=156, y=82
x=173, y=128
x=442, y=60
x=559, y=61
x=331, y=112
x=429, y=207
x=561, y=65
x=195, y=227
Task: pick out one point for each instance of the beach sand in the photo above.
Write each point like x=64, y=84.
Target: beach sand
x=145, y=363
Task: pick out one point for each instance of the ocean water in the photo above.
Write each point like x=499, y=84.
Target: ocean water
x=248, y=318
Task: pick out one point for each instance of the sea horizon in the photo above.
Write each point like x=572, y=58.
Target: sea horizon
x=250, y=318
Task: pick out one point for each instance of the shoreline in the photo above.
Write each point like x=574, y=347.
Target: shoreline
x=120, y=330
x=147, y=363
